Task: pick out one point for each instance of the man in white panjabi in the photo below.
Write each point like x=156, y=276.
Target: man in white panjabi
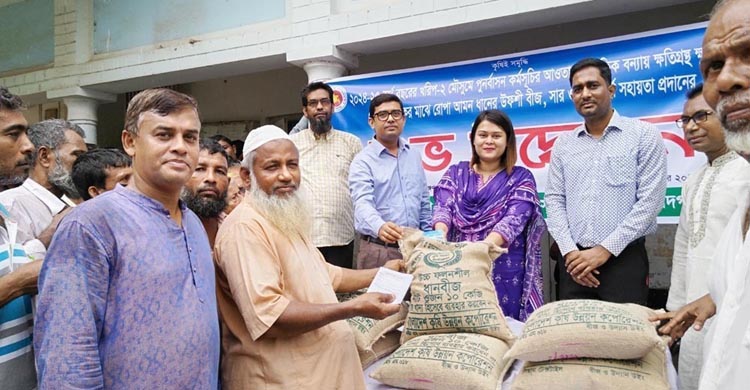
x=710, y=196
x=725, y=66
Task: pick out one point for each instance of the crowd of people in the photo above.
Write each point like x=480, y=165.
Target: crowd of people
x=188, y=262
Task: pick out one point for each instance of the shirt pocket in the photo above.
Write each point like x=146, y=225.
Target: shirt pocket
x=340, y=165
x=620, y=170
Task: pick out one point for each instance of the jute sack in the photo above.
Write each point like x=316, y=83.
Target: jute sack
x=368, y=331
x=585, y=328
x=452, y=290
x=647, y=373
x=381, y=348
x=446, y=361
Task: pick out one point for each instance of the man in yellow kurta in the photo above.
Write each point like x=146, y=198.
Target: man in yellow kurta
x=282, y=324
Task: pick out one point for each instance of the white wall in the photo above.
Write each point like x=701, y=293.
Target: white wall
x=261, y=96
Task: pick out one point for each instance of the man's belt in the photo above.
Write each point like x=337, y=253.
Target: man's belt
x=378, y=241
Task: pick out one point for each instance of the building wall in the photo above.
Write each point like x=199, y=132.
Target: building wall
x=187, y=51
x=27, y=31
x=120, y=25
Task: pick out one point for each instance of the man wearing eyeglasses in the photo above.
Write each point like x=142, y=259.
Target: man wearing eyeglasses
x=709, y=197
x=388, y=186
x=325, y=156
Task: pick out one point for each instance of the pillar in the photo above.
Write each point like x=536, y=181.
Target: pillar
x=323, y=62
x=82, y=105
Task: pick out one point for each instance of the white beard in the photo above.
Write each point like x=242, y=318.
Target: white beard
x=288, y=213
x=737, y=132
x=739, y=142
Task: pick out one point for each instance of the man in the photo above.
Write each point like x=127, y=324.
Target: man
x=100, y=170
x=206, y=191
x=238, y=145
x=606, y=185
x=227, y=144
x=325, y=156
x=281, y=319
x=388, y=186
x=36, y=203
x=726, y=74
x=18, y=276
x=236, y=189
x=126, y=295
x=709, y=197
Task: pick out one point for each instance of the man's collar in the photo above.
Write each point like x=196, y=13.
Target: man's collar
x=615, y=122
x=328, y=134
x=53, y=203
x=146, y=201
x=379, y=147
x=724, y=159
x=69, y=202
x=323, y=136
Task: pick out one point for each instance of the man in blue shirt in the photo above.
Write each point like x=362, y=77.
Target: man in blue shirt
x=388, y=186
x=127, y=298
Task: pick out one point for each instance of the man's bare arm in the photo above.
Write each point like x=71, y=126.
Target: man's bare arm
x=20, y=282
x=300, y=317
x=45, y=236
x=356, y=279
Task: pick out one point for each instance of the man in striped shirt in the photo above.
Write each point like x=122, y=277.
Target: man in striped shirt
x=606, y=185
x=18, y=276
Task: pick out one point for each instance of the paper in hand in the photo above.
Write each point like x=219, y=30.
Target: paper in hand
x=391, y=282
x=434, y=234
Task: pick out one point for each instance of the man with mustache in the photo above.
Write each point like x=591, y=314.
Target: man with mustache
x=227, y=145
x=606, y=186
x=280, y=316
x=206, y=191
x=725, y=67
x=37, y=205
x=18, y=275
x=127, y=296
x=325, y=156
x=709, y=197
x=388, y=185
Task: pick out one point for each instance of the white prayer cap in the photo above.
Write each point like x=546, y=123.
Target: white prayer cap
x=261, y=136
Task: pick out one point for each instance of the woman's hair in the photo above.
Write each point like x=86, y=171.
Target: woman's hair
x=500, y=119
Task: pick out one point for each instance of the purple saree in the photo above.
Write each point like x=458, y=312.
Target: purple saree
x=508, y=205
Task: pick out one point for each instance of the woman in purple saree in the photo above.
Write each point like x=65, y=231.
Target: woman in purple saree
x=493, y=200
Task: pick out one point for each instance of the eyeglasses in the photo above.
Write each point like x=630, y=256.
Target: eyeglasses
x=314, y=103
x=698, y=117
x=383, y=115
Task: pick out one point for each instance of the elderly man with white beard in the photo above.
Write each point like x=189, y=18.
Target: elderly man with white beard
x=277, y=303
x=725, y=66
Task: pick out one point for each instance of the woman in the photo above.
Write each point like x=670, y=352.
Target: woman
x=490, y=199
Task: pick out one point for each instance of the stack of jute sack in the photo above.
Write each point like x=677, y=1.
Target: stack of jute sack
x=587, y=344
x=455, y=334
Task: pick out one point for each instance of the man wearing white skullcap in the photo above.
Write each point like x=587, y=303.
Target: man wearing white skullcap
x=276, y=294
